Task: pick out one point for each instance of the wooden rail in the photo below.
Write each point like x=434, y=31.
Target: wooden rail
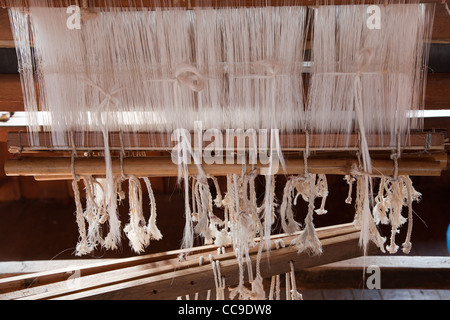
x=165, y=276
x=164, y=167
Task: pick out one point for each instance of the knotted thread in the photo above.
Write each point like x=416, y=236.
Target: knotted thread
x=83, y=246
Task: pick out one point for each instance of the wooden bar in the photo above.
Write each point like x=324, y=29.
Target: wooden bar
x=182, y=281
x=396, y=272
x=135, y=267
x=189, y=281
x=164, y=167
x=188, y=4
x=88, y=141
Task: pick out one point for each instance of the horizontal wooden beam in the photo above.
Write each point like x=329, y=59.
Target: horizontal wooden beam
x=396, y=272
x=198, y=3
x=200, y=278
x=442, y=158
x=440, y=33
x=101, y=273
x=93, y=141
x=164, y=167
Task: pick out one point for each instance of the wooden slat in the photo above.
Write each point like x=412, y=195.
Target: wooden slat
x=51, y=276
x=19, y=141
x=200, y=278
x=35, y=266
x=214, y=3
x=164, y=167
x=134, y=267
x=396, y=272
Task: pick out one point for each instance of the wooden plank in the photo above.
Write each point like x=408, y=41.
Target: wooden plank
x=42, y=278
x=444, y=294
x=22, y=267
x=145, y=141
x=440, y=25
x=440, y=33
x=164, y=167
x=366, y=294
x=396, y=272
x=201, y=3
x=337, y=294
x=119, y=276
x=424, y=295
x=189, y=281
x=392, y=294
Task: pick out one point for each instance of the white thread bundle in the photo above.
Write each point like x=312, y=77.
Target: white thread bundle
x=82, y=247
x=393, y=194
x=379, y=71
x=93, y=217
x=152, y=229
x=309, y=186
x=308, y=241
x=136, y=228
x=200, y=63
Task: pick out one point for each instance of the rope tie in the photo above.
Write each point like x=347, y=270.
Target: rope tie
x=73, y=155
x=189, y=76
x=428, y=141
x=363, y=61
x=358, y=152
x=265, y=69
x=395, y=156
x=83, y=247
x=306, y=153
x=406, y=246
x=109, y=95
x=122, y=156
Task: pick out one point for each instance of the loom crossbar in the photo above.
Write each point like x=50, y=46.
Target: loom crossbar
x=201, y=3
x=164, y=167
x=86, y=141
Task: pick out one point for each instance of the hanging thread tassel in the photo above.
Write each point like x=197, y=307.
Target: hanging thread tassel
x=308, y=241
x=286, y=212
x=83, y=246
x=152, y=229
x=136, y=230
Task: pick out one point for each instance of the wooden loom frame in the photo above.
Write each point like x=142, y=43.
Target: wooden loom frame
x=146, y=282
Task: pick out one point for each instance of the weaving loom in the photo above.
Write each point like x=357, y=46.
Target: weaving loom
x=230, y=92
